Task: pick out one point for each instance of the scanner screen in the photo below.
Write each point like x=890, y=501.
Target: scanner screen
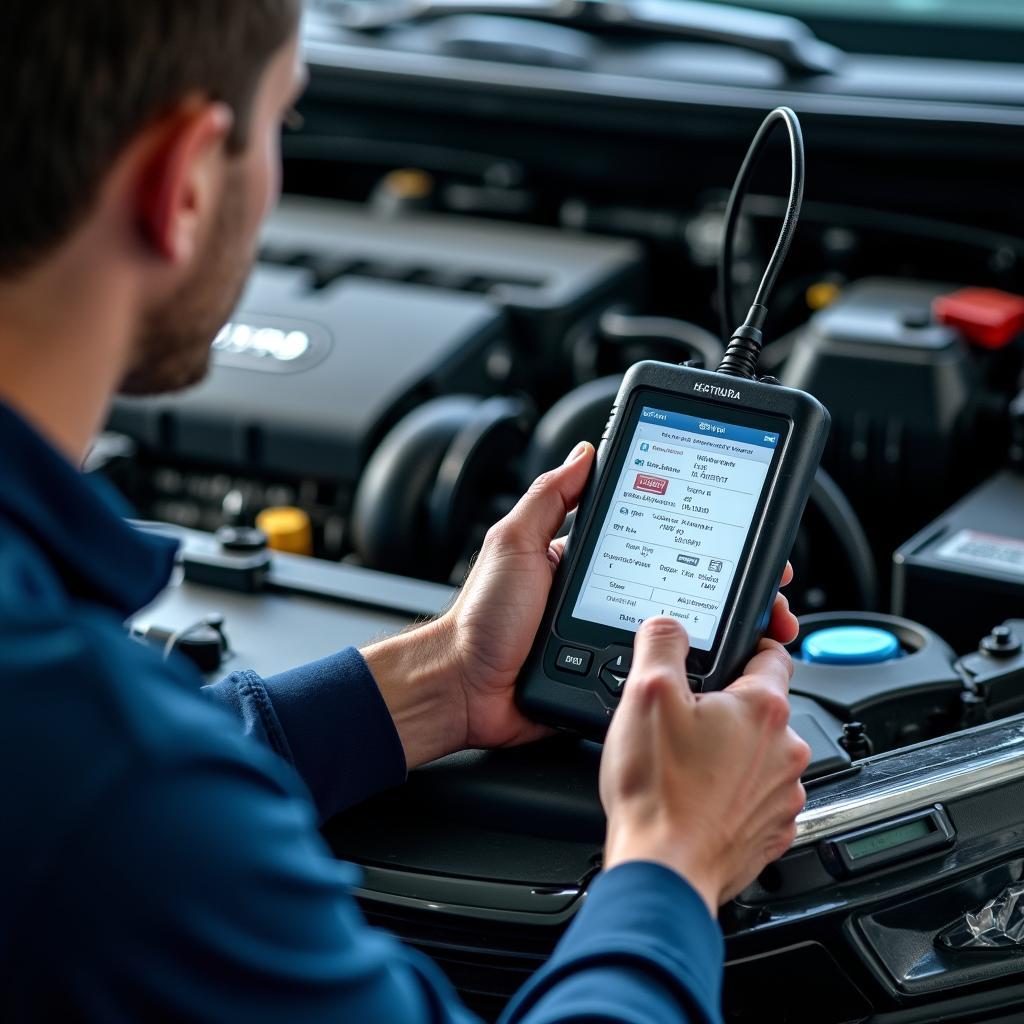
x=677, y=523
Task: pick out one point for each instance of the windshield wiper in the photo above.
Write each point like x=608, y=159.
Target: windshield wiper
x=790, y=41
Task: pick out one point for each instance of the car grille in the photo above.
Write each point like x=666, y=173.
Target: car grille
x=486, y=961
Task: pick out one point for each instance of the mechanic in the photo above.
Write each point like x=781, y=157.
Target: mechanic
x=160, y=847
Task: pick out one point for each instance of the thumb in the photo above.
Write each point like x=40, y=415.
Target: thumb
x=659, y=658
x=541, y=511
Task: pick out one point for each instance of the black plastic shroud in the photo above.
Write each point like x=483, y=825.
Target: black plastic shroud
x=582, y=702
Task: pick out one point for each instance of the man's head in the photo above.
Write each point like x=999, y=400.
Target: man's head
x=161, y=119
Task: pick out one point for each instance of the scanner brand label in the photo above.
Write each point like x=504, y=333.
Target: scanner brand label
x=718, y=391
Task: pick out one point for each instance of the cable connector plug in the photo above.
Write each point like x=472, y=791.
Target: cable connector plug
x=744, y=351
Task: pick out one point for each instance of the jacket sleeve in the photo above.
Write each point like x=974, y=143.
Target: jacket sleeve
x=329, y=720
x=205, y=894
x=643, y=950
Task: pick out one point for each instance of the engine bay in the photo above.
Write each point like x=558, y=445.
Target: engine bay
x=429, y=327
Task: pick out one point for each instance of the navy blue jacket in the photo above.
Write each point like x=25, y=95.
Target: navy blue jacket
x=159, y=847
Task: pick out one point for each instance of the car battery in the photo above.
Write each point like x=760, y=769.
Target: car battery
x=964, y=573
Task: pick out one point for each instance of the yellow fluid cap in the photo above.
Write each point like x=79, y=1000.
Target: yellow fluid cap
x=822, y=294
x=410, y=183
x=287, y=529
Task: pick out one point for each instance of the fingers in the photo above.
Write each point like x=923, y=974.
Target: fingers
x=784, y=625
x=779, y=808
x=787, y=575
x=541, y=511
x=659, y=659
x=556, y=550
x=770, y=668
x=656, y=690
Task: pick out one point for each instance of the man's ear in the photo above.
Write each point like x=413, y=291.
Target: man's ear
x=181, y=181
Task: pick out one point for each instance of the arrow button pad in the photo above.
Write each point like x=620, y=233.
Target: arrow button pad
x=614, y=671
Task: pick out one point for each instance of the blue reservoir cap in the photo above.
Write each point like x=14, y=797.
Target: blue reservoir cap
x=850, y=645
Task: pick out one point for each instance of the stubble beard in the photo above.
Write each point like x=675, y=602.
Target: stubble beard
x=172, y=351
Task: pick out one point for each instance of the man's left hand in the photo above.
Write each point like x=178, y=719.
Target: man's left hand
x=498, y=612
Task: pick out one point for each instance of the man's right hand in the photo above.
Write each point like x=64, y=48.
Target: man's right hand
x=708, y=785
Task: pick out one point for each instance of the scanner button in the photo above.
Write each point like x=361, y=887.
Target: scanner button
x=620, y=664
x=571, y=659
x=614, y=673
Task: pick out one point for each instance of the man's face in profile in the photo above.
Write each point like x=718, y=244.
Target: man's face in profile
x=172, y=350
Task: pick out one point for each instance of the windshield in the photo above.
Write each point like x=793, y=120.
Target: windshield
x=996, y=13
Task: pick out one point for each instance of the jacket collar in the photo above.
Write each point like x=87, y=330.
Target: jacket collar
x=79, y=523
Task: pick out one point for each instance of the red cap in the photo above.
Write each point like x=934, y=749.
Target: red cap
x=988, y=317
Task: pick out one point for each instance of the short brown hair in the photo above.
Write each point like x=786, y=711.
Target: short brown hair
x=80, y=78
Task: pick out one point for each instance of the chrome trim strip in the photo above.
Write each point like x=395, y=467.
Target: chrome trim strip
x=917, y=787
x=542, y=916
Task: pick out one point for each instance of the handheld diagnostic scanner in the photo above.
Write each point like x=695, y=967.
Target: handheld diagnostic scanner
x=698, y=489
